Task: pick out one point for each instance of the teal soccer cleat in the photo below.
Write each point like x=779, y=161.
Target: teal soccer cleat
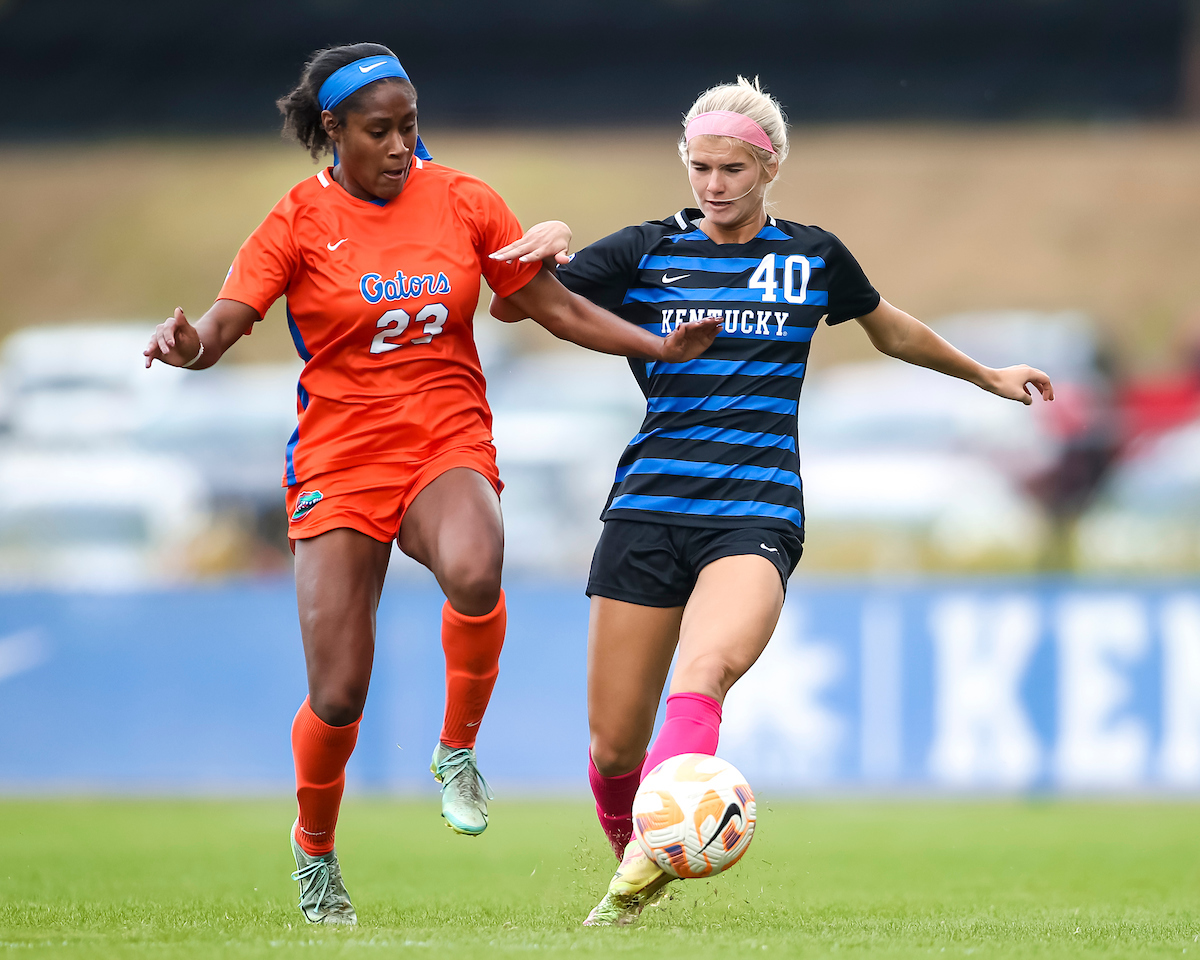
x=465, y=794
x=323, y=896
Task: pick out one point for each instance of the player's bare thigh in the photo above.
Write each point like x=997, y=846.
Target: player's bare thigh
x=726, y=624
x=629, y=655
x=454, y=527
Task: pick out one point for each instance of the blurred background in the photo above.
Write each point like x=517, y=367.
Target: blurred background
x=989, y=593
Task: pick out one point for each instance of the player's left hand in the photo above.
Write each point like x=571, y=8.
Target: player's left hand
x=688, y=340
x=550, y=238
x=1012, y=383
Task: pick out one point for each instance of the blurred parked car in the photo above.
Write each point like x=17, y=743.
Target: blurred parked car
x=905, y=470
x=899, y=511
x=233, y=422
x=81, y=384
x=110, y=519
x=85, y=387
x=561, y=421
x=1062, y=343
x=889, y=405
x=1147, y=515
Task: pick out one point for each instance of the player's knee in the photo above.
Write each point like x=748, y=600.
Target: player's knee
x=472, y=584
x=337, y=704
x=614, y=758
x=710, y=674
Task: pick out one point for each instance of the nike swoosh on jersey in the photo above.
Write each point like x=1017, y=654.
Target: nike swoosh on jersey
x=334, y=246
x=371, y=66
x=772, y=549
x=731, y=811
x=667, y=279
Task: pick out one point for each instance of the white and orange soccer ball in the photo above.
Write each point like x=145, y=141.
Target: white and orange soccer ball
x=694, y=815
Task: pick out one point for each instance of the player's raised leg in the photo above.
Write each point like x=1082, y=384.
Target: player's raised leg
x=720, y=638
x=454, y=528
x=339, y=576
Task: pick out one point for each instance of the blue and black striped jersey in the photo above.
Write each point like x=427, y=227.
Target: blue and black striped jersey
x=718, y=445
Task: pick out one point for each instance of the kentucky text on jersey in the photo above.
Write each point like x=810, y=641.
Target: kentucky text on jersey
x=718, y=445
x=758, y=322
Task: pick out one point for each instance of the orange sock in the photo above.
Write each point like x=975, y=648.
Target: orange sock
x=472, y=646
x=320, y=752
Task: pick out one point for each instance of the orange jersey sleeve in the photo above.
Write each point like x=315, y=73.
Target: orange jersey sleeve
x=493, y=225
x=265, y=264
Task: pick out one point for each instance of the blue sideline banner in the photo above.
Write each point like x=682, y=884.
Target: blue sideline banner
x=967, y=686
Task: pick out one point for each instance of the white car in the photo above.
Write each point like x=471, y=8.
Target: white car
x=232, y=423
x=97, y=520
x=889, y=405
x=561, y=422
x=904, y=511
x=905, y=469
x=81, y=384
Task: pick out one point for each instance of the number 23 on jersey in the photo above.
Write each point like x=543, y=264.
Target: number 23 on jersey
x=394, y=323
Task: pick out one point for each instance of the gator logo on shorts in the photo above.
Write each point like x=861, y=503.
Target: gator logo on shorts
x=305, y=503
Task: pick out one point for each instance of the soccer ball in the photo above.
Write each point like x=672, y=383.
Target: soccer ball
x=693, y=815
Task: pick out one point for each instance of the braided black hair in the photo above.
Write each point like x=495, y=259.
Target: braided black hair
x=301, y=109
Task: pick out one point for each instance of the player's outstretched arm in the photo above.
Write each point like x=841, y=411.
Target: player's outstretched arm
x=176, y=341
x=542, y=241
x=894, y=332
x=571, y=317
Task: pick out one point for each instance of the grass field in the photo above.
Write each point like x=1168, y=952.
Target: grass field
x=906, y=879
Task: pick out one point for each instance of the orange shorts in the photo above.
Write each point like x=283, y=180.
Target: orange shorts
x=372, y=498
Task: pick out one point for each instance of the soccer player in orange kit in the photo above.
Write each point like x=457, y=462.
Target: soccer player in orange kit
x=380, y=258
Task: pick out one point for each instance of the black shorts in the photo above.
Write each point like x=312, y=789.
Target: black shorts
x=656, y=564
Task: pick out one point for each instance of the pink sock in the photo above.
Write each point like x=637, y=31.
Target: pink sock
x=692, y=725
x=614, y=803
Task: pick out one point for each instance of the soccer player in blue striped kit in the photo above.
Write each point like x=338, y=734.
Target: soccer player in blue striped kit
x=705, y=522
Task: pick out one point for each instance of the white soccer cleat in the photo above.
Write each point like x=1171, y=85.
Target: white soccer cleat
x=323, y=896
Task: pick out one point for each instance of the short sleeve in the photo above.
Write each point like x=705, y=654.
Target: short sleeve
x=265, y=264
x=603, y=271
x=850, y=292
x=493, y=225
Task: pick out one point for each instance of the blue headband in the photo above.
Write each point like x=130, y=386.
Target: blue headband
x=354, y=76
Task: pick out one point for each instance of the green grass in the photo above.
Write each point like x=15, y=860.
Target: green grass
x=170, y=878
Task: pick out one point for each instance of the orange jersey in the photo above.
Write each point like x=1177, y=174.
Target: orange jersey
x=381, y=298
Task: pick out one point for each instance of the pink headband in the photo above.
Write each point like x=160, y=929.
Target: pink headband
x=726, y=123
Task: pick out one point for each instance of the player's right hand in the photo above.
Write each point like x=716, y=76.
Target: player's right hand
x=550, y=238
x=175, y=341
x=688, y=340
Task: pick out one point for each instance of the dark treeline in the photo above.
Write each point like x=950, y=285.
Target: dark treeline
x=76, y=66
